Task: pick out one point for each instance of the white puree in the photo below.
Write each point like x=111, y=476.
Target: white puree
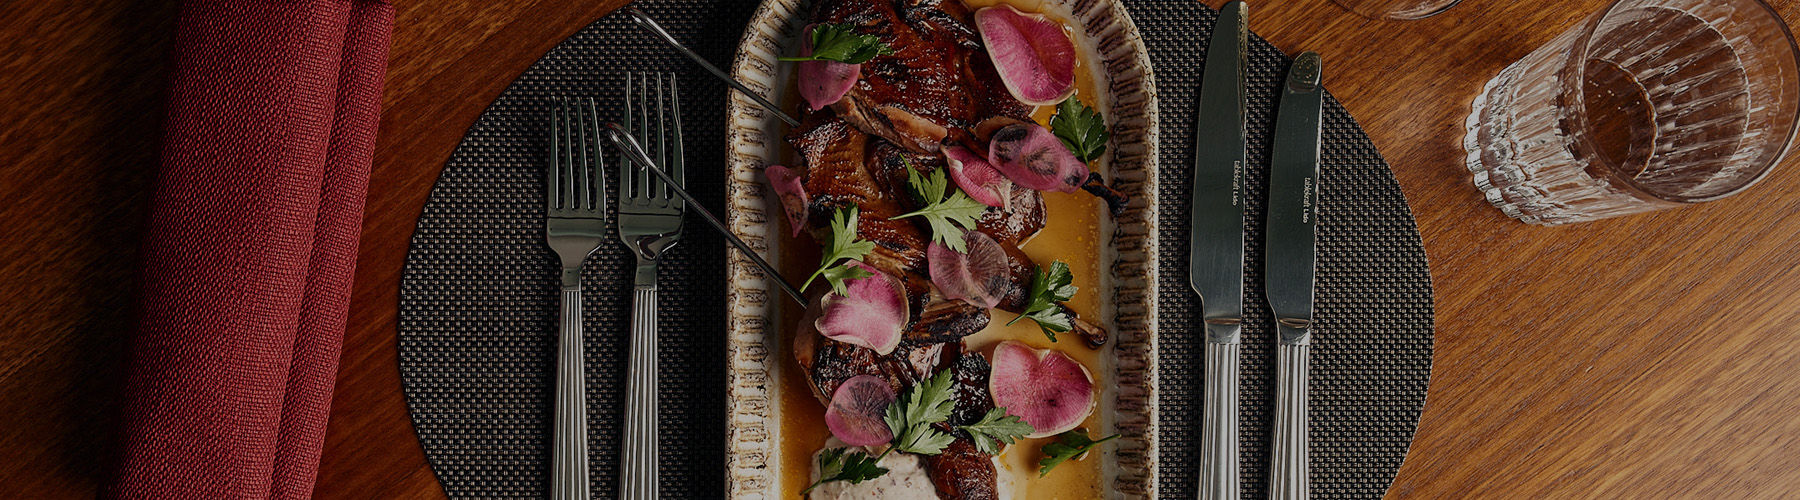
x=906, y=480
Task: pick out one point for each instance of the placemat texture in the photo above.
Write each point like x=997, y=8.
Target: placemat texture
x=479, y=291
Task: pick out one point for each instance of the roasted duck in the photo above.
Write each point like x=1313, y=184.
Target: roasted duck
x=938, y=88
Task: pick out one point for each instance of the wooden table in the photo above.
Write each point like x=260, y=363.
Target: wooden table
x=1642, y=357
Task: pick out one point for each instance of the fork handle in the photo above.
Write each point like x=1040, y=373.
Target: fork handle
x=1288, y=468
x=569, y=471
x=638, y=467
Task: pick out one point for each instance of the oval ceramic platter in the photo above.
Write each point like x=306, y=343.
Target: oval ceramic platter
x=769, y=451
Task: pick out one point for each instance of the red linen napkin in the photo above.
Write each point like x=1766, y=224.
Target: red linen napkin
x=247, y=263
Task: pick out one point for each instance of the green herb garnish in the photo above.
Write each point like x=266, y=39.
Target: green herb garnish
x=911, y=418
x=944, y=213
x=994, y=428
x=1081, y=129
x=836, y=42
x=855, y=467
x=1068, y=445
x=843, y=246
x=1048, y=289
x=912, y=415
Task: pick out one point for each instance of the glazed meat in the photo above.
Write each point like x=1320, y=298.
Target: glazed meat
x=937, y=88
x=846, y=167
x=970, y=390
x=962, y=472
x=828, y=363
x=937, y=72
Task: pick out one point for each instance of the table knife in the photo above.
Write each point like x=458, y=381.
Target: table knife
x=1216, y=261
x=1288, y=267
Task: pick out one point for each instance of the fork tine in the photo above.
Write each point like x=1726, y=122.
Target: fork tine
x=579, y=173
x=625, y=163
x=643, y=177
x=595, y=171
x=552, y=168
x=677, y=161
x=570, y=201
x=662, y=140
x=567, y=171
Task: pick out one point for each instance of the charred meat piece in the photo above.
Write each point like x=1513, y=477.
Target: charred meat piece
x=942, y=20
x=962, y=472
x=835, y=157
x=918, y=76
x=916, y=133
x=943, y=320
x=1019, y=221
x=828, y=363
x=987, y=92
x=938, y=72
x=835, y=176
x=970, y=389
x=845, y=167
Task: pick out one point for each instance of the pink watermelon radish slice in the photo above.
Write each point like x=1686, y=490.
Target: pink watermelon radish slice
x=975, y=176
x=980, y=277
x=1045, y=388
x=1032, y=156
x=871, y=314
x=823, y=82
x=1034, y=56
x=792, y=194
x=856, y=410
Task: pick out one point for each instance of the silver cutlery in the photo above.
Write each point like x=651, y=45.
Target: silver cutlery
x=649, y=223
x=574, y=226
x=632, y=150
x=644, y=21
x=1288, y=267
x=1216, y=264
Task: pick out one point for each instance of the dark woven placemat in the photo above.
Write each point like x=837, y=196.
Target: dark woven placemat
x=478, y=295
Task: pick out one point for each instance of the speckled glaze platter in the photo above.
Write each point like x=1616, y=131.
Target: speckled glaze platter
x=1127, y=378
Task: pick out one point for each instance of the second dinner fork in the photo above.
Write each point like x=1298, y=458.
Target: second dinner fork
x=574, y=226
x=649, y=222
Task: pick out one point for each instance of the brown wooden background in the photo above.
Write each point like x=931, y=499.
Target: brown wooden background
x=1647, y=357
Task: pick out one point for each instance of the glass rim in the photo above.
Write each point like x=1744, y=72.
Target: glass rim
x=1577, y=64
x=1391, y=16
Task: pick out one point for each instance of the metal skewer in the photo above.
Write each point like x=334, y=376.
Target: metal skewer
x=644, y=21
x=627, y=144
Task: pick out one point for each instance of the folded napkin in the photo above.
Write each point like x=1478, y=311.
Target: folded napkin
x=251, y=247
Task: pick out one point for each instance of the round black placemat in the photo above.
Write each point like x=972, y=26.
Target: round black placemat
x=478, y=295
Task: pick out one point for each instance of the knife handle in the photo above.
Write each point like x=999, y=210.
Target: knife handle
x=1288, y=463
x=1219, y=435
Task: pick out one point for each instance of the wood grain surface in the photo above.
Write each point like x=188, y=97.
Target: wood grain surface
x=1644, y=357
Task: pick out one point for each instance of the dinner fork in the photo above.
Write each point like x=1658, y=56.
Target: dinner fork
x=574, y=226
x=649, y=222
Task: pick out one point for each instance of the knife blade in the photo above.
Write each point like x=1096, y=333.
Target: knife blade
x=1216, y=261
x=1288, y=267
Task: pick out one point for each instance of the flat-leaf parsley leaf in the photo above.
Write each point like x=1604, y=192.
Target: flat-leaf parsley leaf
x=837, y=465
x=911, y=417
x=944, y=213
x=994, y=428
x=1048, y=289
x=1081, y=129
x=1068, y=445
x=843, y=246
x=837, y=42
